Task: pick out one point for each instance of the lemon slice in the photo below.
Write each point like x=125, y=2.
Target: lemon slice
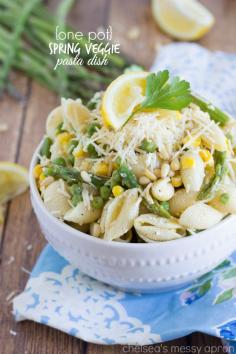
x=122, y=96
x=182, y=19
x=13, y=180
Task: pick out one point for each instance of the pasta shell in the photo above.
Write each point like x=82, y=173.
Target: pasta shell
x=56, y=198
x=200, y=216
x=75, y=115
x=152, y=228
x=54, y=119
x=229, y=206
x=181, y=201
x=192, y=177
x=81, y=214
x=119, y=214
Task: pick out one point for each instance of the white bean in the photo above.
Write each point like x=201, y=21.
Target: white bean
x=162, y=190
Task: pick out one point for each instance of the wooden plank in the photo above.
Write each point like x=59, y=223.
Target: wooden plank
x=136, y=14
x=165, y=347
x=12, y=114
x=22, y=228
x=205, y=342
x=222, y=35
x=86, y=15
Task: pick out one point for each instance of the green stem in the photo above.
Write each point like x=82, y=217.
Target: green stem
x=19, y=28
x=215, y=113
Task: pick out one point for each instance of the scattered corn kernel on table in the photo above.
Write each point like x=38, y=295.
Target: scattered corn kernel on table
x=21, y=239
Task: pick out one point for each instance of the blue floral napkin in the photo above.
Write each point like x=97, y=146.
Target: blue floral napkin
x=60, y=296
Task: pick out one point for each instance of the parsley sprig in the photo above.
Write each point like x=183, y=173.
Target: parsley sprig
x=161, y=92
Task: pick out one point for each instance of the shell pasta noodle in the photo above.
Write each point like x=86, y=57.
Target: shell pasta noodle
x=144, y=161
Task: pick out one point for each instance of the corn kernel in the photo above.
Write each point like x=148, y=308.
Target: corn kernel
x=176, y=181
x=194, y=142
x=187, y=162
x=42, y=177
x=117, y=190
x=79, y=153
x=102, y=169
x=64, y=137
x=37, y=171
x=205, y=155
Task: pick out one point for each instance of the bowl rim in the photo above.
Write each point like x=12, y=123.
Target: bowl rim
x=79, y=234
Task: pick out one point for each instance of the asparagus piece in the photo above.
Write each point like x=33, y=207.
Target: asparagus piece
x=157, y=208
x=68, y=174
x=211, y=187
x=215, y=113
x=18, y=29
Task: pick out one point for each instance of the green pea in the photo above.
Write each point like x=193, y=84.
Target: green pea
x=97, y=202
x=92, y=128
x=148, y=145
x=224, y=198
x=105, y=192
x=76, y=189
x=59, y=161
x=76, y=199
x=92, y=151
x=115, y=178
x=45, y=149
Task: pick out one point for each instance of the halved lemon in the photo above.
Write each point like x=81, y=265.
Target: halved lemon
x=122, y=96
x=182, y=19
x=13, y=180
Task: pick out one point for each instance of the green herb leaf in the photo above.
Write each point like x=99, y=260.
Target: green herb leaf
x=162, y=93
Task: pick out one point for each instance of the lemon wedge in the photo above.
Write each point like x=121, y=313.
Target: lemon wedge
x=182, y=19
x=13, y=180
x=122, y=96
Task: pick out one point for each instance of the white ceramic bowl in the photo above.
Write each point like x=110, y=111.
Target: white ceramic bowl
x=144, y=267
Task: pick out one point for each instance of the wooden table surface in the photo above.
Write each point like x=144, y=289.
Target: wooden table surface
x=26, y=121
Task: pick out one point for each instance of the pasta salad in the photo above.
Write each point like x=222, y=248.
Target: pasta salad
x=144, y=161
